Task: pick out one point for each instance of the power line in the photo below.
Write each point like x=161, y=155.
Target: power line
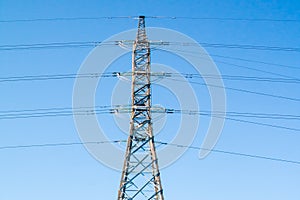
x=243, y=78
x=237, y=114
x=115, y=74
x=57, y=144
x=85, y=111
x=54, y=113
x=52, y=45
x=55, y=45
x=158, y=142
x=238, y=46
x=223, y=19
x=150, y=17
x=255, y=69
x=255, y=61
x=232, y=116
x=116, y=109
x=240, y=90
x=43, y=77
x=260, y=123
x=66, y=19
x=231, y=153
x=93, y=44
x=55, y=109
x=196, y=54
x=225, y=77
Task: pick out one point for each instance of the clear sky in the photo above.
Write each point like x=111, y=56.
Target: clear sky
x=70, y=172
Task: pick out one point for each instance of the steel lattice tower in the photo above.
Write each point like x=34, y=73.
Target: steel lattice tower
x=140, y=176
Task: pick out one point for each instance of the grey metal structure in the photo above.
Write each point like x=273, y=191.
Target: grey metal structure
x=140, y=176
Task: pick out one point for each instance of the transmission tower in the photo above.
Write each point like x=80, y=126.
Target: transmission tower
x=140, y=176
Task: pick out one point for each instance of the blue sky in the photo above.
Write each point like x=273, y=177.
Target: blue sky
x=70, y=172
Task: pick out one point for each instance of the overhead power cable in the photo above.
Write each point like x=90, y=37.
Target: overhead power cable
x=255, y=61
x=238, y=117
x=65, y=19
x=169, y=77
x=260, y=69
x=65, y=144
x=52, y=45
x=57, y=144
x=236, y=46
x=241, y=78
x=241, y=117
x=199, y=56
x=234, y=19
x=202, y=56
x=224, y=19
x=55, y=112
x=240, y=90
x=237, y=114
x=55, y=45
x=43, y=77
x=93, y=44
x=231, y=153
x=116, y=109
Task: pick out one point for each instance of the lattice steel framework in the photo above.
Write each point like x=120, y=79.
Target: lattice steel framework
x=140, y=176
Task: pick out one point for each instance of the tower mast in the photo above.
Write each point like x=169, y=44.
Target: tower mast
x=140, y=176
